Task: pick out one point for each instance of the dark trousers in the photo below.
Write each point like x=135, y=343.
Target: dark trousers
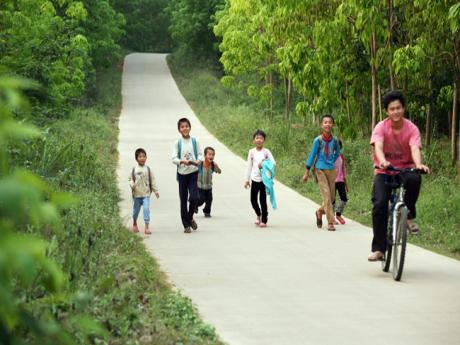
x=259, y=188
x=381, y=195
x=188, y=191
x=340, y=205
x=206, y=199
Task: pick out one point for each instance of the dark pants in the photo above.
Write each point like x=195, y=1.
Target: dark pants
x=188, y=190
x=381, y=195
x=206, y=199
x=256, y=188
x=340, y=205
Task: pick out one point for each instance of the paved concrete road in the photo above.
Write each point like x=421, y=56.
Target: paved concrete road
x=288, y=284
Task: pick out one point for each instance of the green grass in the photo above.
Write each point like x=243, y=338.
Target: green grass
x=232, y=118
x=110, y=275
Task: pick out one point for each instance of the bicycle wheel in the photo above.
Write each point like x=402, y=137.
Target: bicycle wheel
x=399, y=245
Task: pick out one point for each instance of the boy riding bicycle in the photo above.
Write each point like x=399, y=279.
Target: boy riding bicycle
x=396, y=142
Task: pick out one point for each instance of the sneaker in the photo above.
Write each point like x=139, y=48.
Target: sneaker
x=135, y=228
x=257, y=222
x=413, y=228
x=187, y=230
x=262, y=225
x=194, y=225
x=340, y=219
x=207, y=215
x=331, y=227
x=375, y=256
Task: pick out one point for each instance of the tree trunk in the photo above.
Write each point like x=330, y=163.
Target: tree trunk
x=348, y=102
x=428, y=114
x=380, y=102
x=374, y=78
x=454, y=124
x=390, y=39
x=288, y=97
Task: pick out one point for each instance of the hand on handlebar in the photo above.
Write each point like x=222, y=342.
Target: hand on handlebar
x=422, y=167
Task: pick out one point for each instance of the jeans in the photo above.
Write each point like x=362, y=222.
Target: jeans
x=206, y=199
x=137, y=203
x=381, y=195
x=256, y=188
x=188, y=191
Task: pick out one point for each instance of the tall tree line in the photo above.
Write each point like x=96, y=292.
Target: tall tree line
x=340, y=56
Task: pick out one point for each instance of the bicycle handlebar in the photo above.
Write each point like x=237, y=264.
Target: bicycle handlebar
x=402, y=170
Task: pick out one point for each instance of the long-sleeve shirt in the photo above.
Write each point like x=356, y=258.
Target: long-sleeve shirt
x=141, y=181
x=254, y=158
x=322, y=162
x=187, y=152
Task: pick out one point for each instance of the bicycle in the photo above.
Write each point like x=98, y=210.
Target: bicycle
x=397, y=223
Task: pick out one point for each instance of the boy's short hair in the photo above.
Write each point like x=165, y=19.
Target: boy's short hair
x=259, y=132
x=325, y=116
x=208, y=148
x=392, y=96
x=184, y=119
x=139, y=151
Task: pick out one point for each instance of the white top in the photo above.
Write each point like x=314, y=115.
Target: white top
x=188, y=153
x=254, y=158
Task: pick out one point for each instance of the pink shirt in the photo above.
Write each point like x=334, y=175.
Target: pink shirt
x=396, y=147
x=340, y=170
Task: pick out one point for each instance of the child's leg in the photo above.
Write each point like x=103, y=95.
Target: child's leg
x=193, y=194
x=137, y=202
x=254, y=203
x=202, y=197
x=340, y=186
x=146, y=206
x=263, y=202
x=183, y=194
x=325, y=190
x=208, y=200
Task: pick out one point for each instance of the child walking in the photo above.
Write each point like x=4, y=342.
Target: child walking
x=187, y=156
x=321, y=161
x=341, y=186
x=205, y=171
x=142, y=182
x=256, y=156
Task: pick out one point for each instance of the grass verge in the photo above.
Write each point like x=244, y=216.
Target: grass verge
x=110, y=276
x=232, y=118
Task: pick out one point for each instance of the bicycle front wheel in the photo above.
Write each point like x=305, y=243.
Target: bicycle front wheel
x=399, y=243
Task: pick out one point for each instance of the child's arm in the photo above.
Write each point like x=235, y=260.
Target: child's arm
x=131, y=181
x=310, y=159
x=200, y=154
x=154, y=185
x=249, y=170
x=175, y=155
x=217, y=168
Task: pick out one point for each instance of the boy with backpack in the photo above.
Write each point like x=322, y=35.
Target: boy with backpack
x=142, y=182
x=321, y=161
x=187, y=156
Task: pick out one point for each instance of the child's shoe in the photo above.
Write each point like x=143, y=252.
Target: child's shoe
x=135, y=228
x=262, y=225
x=187, y=230
x=340, y=219
x=257, y=222
x=331, y=227
x=207, y=215
x=146, y=230
x=319, y=219
x=194, y=225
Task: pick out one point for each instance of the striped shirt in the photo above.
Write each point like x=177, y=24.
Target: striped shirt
x=205, y=175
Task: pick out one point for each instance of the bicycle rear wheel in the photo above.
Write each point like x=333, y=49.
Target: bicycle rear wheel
x=399, y=245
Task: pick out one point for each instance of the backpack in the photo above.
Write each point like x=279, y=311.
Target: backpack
x=133, y=176
x=320, y=141
x=179, y=152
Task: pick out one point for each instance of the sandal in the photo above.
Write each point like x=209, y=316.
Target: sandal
x=319, y=219
x=413, y=228
x=331, y=227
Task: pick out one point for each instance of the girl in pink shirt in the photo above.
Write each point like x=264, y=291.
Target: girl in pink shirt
x=341, y=186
